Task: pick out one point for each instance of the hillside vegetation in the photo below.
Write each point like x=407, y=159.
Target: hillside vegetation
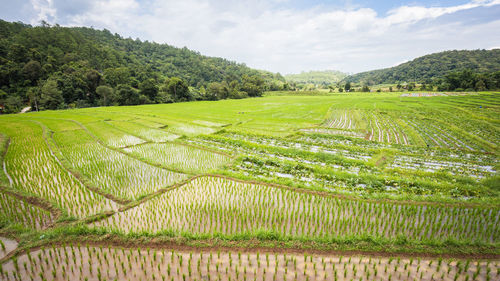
x=431, y=67
x=54, y=67
x=326, y=77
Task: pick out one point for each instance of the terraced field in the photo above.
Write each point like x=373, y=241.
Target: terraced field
x=354, y=186
x=76, y=262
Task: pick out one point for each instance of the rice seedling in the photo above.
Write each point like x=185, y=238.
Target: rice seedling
x=181, y=157
x=18, y=211
x=112, y=136
x=33, y=169
x=143, y=132
x=113, y=172
x=211, y=205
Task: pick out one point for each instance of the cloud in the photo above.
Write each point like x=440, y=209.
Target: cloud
x=44, y=9
x=273, y=36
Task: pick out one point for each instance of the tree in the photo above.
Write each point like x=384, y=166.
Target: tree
x=347, y=86
x=365, y=89
x=51, y=96
x=10, y=103
x=127, y=95
x=214, y=91
x=18, y=53
x=178, y=89
x=411, y=86
x=480, y=85
x=33, y=95
x=252, y=85
x=115, y=76
x=148, y=88
x=13, y=104
x=32, y=71
x=106, y=95
x=93, y=79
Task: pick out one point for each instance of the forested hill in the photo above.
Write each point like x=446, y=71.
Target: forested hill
x=433, y=66
x=59, y=67
x=325, y=77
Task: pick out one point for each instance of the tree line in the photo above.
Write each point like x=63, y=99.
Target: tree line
x=54, y=67
x=427, y=69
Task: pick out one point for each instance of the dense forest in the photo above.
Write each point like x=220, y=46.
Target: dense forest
x=318, y=78
x=53, y=67
x=429, y=68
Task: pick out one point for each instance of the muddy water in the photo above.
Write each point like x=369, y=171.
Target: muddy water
x=6, y=246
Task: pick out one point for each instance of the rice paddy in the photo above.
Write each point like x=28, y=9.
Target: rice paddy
x=112, y=171
x=181, y=157
x=35, y=170
x=218, y=205
x=351, y=186
x=78, y=262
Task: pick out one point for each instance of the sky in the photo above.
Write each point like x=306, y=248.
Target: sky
x=286, y=36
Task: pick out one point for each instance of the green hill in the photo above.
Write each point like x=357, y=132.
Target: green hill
x=326, y=77
x=429, y=67
x=67, y=65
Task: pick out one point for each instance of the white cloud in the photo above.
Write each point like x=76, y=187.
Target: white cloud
x=44, y=9
x=265, y=35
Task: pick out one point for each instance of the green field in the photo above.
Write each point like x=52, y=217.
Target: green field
x=387, y=173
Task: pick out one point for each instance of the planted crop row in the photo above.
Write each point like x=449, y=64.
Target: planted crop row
x=435, y=135
x=381, y=128
x=34, y=169
x=176, y=126
x=249, y=144
x=344, y=119
x=98, y=263
x=14, y=210
x=180, y=157
x=218, y=205
x=333, y=132
x=352, y=179
x=112, y=136
x=112, y=171
x=150, y=134
x=455, y=167
x=481, y=123
x=305, y=158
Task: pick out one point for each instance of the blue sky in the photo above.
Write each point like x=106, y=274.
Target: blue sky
x=286, y=36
